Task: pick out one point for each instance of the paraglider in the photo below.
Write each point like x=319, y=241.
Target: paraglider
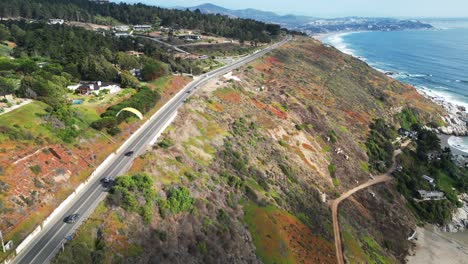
x=131, y=110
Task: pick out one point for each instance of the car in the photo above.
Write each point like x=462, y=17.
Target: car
x=129, y=153
x=107, y=179
x=72, y=218
x=189, y=91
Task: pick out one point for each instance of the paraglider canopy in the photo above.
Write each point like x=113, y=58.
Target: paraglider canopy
x=131, y=110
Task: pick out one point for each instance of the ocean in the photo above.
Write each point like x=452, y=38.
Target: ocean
x=434, y=61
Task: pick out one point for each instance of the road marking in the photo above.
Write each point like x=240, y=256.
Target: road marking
x=139, y=142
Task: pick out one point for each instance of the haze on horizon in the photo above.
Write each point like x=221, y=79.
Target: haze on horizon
x=335, y=8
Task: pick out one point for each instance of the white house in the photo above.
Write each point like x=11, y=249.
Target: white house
x=121, y=28
x=87, y=88
x=142, y=27
x=55, y=21
x=427, y=195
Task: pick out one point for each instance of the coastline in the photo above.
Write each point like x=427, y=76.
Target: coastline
x=449, y=243
x=457, y=116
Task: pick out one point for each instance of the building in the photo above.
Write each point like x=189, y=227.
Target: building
x=142, y=27
x=56, y=21
x=121, y=28
x=100, y=1
x=190, y=37
x=136, y=73
x=407, y=133
x=87, y=88
x=429, y=180
x=122, y=34
x=431, y=195
x=135, y=53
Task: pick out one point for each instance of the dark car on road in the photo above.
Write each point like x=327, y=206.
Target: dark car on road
x=129, y=153
x=107, y=181
x=72, y=218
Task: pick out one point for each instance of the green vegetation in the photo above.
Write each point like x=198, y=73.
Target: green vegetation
x=143, y=100
x=374, y=251
x=430, y=159
x=83, y=10
x=332, y=169
x=83, y=248
x=127, y=191
x=165, y=143
x=379, y=145
x=36, y=169
x=178, y=200
x=407, y=118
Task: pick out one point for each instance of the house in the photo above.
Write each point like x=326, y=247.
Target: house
x=55, y=21
x=100, y=1
x=122, y=34
x=407, y=133
x=136, y=73
x=135, y=53
x=431, y=195
x=190, y=37
x=121, y=28
x=142, y=27
x=87, y=88
x=428, y=179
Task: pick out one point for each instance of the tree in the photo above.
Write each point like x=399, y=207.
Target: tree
x=4, y=33
x=7, y=86
x=153, y=70
x=98, y=69
x=127, y=80
x=126, y=61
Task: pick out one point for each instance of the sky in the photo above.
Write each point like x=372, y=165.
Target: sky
x=336, y=8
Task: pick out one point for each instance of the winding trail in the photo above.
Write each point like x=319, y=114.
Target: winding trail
x=335, y=203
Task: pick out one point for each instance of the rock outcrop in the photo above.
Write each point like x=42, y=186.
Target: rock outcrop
x=459, y=221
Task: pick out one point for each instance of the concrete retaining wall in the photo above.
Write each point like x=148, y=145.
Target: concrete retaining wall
x=67, y=202
x=168, y=123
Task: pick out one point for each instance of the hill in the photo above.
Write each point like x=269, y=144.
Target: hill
x=245, y=172
x=313, y=25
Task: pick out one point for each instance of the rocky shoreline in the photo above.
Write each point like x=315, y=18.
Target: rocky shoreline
x=459, y=218
x=456, y=119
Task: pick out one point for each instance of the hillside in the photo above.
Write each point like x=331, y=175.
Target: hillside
x=314, y=25
x=245, y=172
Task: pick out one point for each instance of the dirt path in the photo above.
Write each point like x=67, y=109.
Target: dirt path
x=335, y=203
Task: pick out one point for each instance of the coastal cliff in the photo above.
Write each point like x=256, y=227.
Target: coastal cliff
x=245, y=172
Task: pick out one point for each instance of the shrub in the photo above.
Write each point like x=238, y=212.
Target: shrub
x=178, y=200
x=165, y=143
x=332, y=169
x=36, y=169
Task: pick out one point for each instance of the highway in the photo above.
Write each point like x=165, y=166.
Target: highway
x=52, y=236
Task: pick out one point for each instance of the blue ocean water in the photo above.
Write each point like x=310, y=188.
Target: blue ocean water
x=434, y=61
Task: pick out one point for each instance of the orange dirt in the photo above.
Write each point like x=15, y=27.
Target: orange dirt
x=258, y=104
x=278, y=113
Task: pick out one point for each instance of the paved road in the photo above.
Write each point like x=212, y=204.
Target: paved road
x=164, y=43
x=335, y=203
x=52, y=236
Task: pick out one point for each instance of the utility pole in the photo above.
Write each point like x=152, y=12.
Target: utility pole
x=3, y=244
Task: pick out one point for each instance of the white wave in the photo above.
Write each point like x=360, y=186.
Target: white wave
x=460, y=143
x=337, y=41
x=442, y=97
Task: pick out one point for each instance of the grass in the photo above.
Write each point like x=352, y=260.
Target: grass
x=353, y=249
x=364, y=166
x=280, y=237
x=270, y=246
x=374, y=251
x=27, y=118
x=4, y=50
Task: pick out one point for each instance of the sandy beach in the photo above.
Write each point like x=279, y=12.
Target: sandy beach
x=436, y=247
